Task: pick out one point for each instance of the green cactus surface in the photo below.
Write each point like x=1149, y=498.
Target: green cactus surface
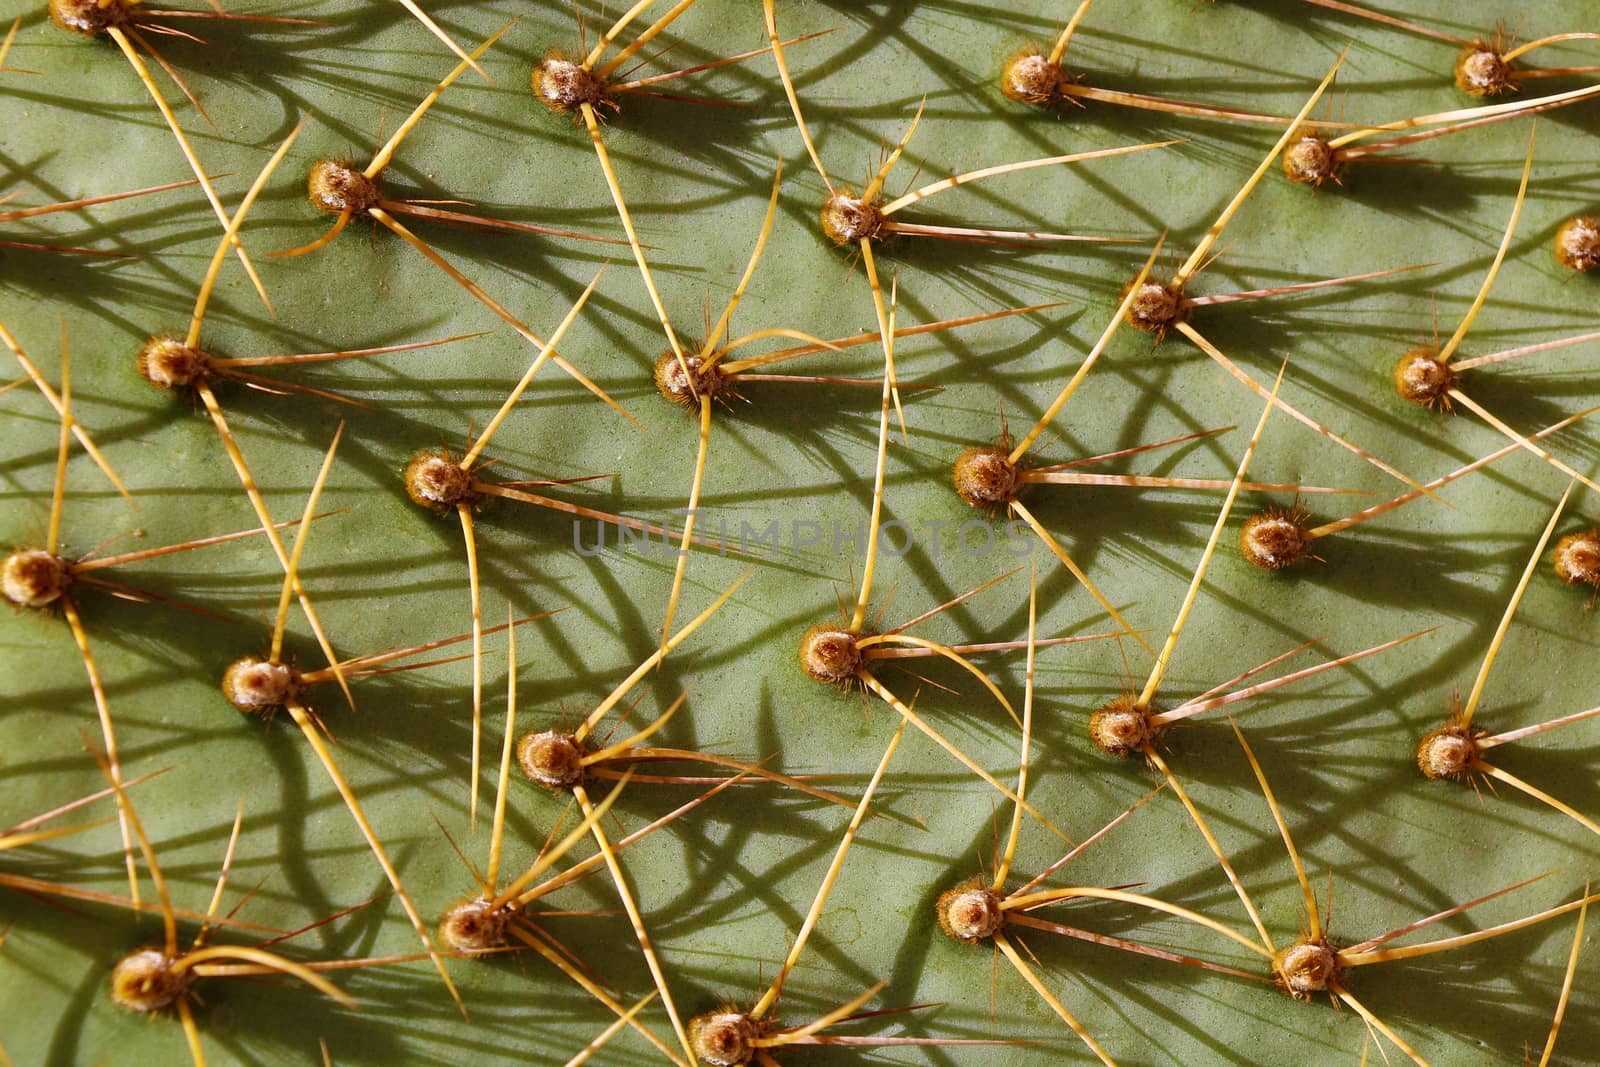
x=789, y=476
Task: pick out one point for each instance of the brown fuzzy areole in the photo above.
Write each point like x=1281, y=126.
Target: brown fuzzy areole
x=143, y=981
x=830, y=655
x=847, y=219
x=1030, y=78
x=168, y=363
x=337, y=186
x=1423, y=378
x=726, y=1037
x=552, y=759
x=564, y=86
x=435, y=480
x=1274, y=539
x=1307, y=968
x=33, y=578
x=475, y=927
x=90, y=17
x=1448, y=752
x=1156, y=308
x=1578, y=243
x=1578, y=558
x=675, y=385
x=970, y=912
x=1310, y=160
x=986, y=478
x=1122, y=726
x=256, y=686
x=1482, y=70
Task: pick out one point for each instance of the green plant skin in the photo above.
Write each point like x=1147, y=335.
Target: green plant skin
x=725, y=890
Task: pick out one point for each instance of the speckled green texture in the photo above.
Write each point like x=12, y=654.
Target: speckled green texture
x=724, y=890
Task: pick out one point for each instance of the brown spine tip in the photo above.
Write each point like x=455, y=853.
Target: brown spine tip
x=435, y=480
x=830, y=655
x=564, y=86
x=724, y=1038
x=1578, y=243
x=986, y=478
x=1577, y=558
x=337, y=186
x=168, y=363
x=1310, y=160
x=33, y=578
x=970, y=912
x=90, y=17
x=475, y=927
x=1482, y=71
x=1155, y=308
x=847, y=219
x=1423, y=378
x=1305, y=968
x=144, y=981
x=687, y=389
x=1447, y=752
x=1274, y=539
x=552, y=759
x=255, y=686
x=1122, y=727
x=1030, y=78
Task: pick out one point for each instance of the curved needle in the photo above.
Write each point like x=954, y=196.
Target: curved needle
x=1003, y=868
x=433, y=28
x=301, y=535
x=716, y=332
x=55, y=401
x=1160, y=668
x=1005, y=168
x=1456, y=338
x=58, y=490
x=770, y=14
x=380, y=159
x=1192, y=265
x=143, y=73
x=691, y=513
x=1313, y=920
x=1088, y=361
x=493, y=305
x=770, y=997
x=1566, y=983
x=652, y=961
x=1050, y=998
x=655, y=657
x=1511, y=609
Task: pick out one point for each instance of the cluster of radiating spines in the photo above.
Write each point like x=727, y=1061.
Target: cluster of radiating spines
x=1317, y=962
x=987, y=477
x=496, y=920
x=180, y=361
x=1317, y=156
x=1486, y=65
x=1455, y=751
x=165, y=977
